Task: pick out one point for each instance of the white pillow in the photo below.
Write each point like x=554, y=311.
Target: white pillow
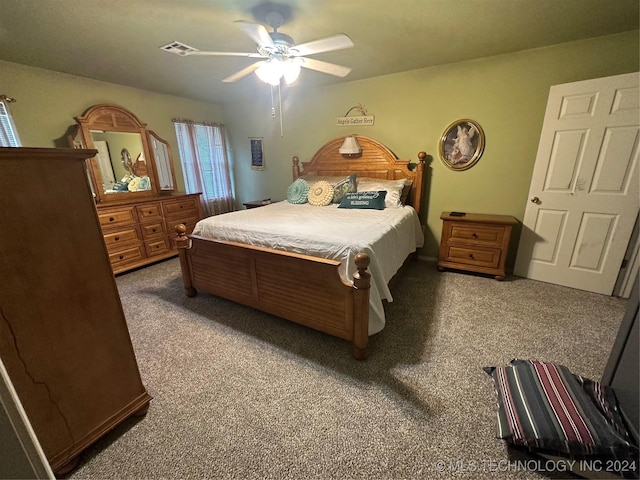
x=392, y=187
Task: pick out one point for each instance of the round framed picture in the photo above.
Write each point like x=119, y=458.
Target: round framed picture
x=461, y=144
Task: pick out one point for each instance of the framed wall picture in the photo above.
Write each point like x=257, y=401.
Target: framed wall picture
x=257, y=154
x=461, y=144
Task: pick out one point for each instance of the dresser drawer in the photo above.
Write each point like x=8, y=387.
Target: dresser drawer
x=117, y=216
x=474, y=256
x=180, y=208
x=488, y=235
x=149, y=212
x=152, y=230
x=156, y=247
x=114, y=238
x=189, y=222
x=130, y=254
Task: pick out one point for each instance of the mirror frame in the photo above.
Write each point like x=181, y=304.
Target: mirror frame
x=114, y=118
x=153, y=136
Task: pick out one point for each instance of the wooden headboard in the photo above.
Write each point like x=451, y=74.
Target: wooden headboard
x=375, y=161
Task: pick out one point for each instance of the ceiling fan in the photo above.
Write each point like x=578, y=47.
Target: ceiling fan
x=279, y=55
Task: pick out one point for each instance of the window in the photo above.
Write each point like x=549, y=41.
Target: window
x=8, y=133
x=205, y=165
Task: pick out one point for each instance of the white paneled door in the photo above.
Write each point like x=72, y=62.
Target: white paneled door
x=584, y=194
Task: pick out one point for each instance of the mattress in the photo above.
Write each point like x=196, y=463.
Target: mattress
x=388, y=236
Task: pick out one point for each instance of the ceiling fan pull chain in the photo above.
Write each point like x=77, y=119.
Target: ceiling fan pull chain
x=280, y=107
x=273, y=108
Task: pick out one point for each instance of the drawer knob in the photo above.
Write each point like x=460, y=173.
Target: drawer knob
x=153, y=230
x=111, y=219
x=121, y=257
x=474, y=235
x=471, y=255
x=117, y=238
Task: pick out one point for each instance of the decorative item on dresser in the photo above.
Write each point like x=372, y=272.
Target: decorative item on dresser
x=138, y=211
x=63, y=335
x=475, y=242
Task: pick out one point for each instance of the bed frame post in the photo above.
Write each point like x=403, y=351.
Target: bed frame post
x=417, y=186
x=296, y=168
x=361, y=285
x=183, y=243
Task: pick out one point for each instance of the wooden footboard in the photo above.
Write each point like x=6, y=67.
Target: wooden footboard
x=300, y=288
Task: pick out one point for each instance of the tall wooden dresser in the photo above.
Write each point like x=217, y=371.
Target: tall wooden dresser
x=64, y=339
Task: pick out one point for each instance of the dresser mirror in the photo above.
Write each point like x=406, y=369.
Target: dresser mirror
x=164, y=164
x=131, y=161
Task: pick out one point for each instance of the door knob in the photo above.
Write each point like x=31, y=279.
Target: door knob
x=535, y=200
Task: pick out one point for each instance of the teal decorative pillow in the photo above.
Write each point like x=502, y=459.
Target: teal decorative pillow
x=298, y=191
x=370, y=200
x=346, y=185
x=320, y=194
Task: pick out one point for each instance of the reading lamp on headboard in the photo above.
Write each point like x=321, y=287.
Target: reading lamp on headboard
x=350, y=146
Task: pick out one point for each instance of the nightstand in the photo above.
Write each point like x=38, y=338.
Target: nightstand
x=257, y=203
x=475, y=242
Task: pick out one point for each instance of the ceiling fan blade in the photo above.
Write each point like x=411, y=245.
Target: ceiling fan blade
x=336, y=42
x=325, y=67
x=257, y=32
x=242, y=73
x=224, y=54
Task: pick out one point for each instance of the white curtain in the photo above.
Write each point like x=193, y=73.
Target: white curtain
x=203, y=155
x=8, y=133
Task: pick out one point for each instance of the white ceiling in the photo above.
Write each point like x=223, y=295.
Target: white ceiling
x=118, y=41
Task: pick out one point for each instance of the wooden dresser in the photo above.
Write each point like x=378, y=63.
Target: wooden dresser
x=475, y=243
x=64, y=338
x=138, y=223
x=142, y=232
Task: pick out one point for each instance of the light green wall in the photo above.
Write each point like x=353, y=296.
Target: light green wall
x=505, y=94
x=47, y=102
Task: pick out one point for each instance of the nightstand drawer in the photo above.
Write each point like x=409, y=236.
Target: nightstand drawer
x=473, y=256
x=477, y=234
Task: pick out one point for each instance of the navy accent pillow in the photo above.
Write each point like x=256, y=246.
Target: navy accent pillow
x=370, y=200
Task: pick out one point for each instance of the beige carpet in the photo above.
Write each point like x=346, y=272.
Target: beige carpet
x=241, y=394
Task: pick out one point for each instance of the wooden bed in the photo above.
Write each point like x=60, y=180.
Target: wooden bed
x=303, y=289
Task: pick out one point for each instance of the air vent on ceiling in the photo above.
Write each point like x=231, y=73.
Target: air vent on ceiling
x=178, y=48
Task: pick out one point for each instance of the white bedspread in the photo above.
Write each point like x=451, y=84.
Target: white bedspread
x=388, y=236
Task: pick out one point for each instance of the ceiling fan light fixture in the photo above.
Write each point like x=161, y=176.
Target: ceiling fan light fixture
x=291, y=69
x=270, y=72
x=274, y=69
